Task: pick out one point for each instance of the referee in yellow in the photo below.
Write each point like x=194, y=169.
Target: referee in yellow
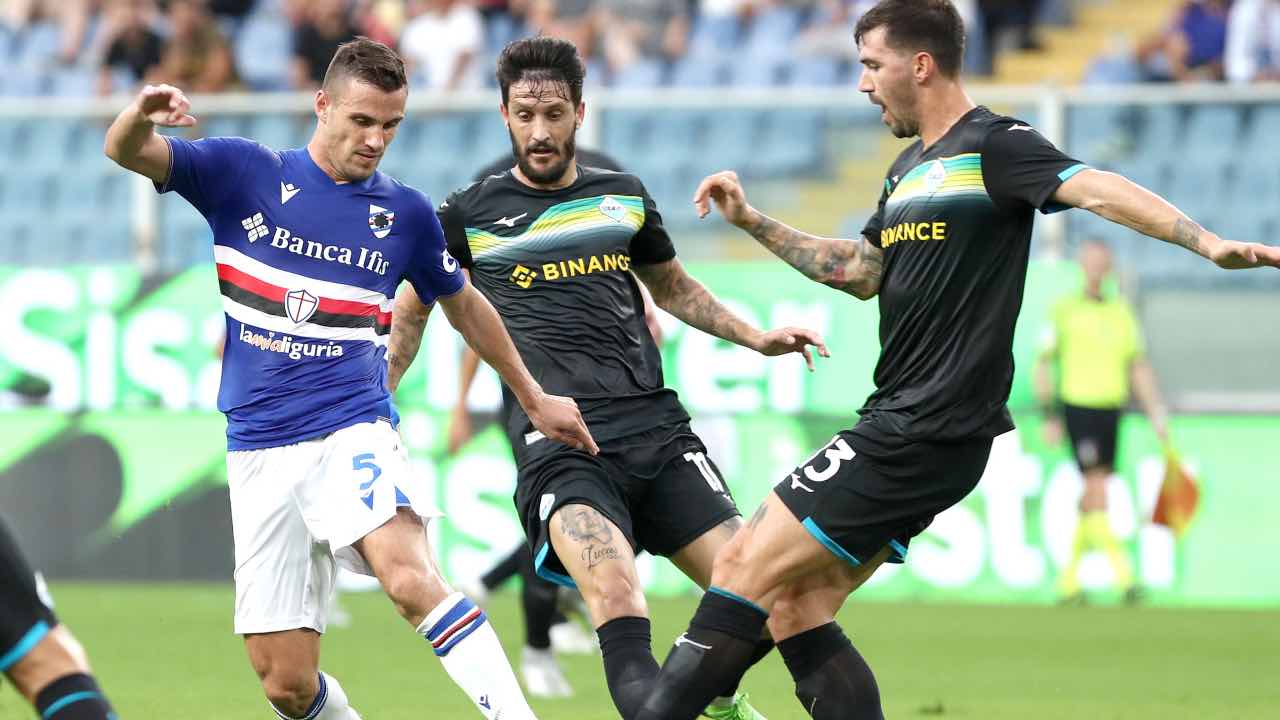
x=1096, y=346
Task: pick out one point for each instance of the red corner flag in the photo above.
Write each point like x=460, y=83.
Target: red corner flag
x=1179, y=495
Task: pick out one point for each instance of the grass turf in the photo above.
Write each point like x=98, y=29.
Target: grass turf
x=166, y=651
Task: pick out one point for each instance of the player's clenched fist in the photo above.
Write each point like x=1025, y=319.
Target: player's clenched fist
x=725, y=190
x=165, y=105
x=558, y=418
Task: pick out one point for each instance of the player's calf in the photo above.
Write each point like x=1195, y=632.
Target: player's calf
x=54, y=677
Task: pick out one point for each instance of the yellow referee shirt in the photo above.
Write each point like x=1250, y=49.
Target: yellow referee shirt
x=1094, y=342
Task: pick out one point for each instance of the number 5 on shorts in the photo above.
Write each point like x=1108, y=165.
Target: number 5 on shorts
x=364, y=462
x=704, y=467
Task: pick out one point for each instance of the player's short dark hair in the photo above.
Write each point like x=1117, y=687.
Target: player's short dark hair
x=368, y=61
x=932, y=26
x=542, y=59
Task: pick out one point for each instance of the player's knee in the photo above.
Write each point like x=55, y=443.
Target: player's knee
x=791, y=614
x=291, y=691
x=615, y=595
x=413, y=591
x=730, y=562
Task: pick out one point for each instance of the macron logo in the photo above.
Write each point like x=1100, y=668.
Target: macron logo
x=510, y=222
x=287, y=192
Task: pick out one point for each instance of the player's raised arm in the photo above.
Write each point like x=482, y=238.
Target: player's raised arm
x=556, y=417
x=851, y=266
x=132, y=141
x=1122, y=201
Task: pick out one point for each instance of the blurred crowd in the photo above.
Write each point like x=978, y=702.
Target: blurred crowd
x=1235, y=41
x=77, y=47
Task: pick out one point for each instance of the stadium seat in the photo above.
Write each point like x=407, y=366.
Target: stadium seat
x=699, y=72
x=714, y=35
x=262, y=52
x=1159, y=127
x=73, y=82
x=278, y=132
x=642, y=74
x=1211, y=129
x=814, y=72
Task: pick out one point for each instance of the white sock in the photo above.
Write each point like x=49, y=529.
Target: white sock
x=467, y=646
x=330, y=703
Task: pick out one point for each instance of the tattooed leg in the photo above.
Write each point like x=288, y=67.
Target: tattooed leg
x=600, y=560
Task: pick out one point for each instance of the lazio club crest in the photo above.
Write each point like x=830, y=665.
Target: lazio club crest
x=300, y=305
x=380, y=221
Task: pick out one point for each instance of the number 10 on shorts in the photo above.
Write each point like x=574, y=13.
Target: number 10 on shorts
x=704, y=467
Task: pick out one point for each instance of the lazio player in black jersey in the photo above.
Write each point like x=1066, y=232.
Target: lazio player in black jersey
x=37, y=653
x=946, y=252
x=551, y=244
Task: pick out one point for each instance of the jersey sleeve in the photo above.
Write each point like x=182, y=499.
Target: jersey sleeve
x=454, y=224
x=1020, y=168
x=206, y=171
x=433, y=272
x=876, y=222
x=651, y=244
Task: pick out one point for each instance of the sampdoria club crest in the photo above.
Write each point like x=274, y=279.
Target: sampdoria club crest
x=380, y=221
x=300, y=305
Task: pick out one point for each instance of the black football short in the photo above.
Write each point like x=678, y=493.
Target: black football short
x=1093, y=434
x=857, y=496
x=658, y=486
x=25, y=618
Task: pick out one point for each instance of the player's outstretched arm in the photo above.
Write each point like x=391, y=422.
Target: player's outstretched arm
x=680, y=294
x=408, y=322
x=1122, y=201
x=132, y=141
x=851, y=266
x=556, y=417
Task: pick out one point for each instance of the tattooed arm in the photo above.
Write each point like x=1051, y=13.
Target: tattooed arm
x=1122, y=201
x=408, y=322
x=851, y=266
x=677, y=292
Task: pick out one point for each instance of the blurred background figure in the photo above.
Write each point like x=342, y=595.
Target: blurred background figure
x=1191, y=48
x=639, y=37
x=1096, y=348
x=134, y=48
x=196, y=55
x=322, y=26
x=1253, y=41
x=442, y=45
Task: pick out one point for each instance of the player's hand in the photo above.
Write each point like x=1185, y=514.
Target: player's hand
x=558, y=418
x=1232, y=255
x=725, y=190
x=165, y=105
x=791, y=340
x=460, y=430
x=1052, y=431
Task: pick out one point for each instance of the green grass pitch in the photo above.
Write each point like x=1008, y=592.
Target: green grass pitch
x=166, y=652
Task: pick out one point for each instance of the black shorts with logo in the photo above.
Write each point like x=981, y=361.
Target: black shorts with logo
x=1093, y=433
x=863, y=492
x=25, y=618
x=658, y=486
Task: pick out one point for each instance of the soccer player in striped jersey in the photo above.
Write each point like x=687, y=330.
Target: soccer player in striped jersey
x=946, y=253
x=311, y=245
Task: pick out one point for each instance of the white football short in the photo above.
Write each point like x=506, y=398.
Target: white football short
x=297, y=509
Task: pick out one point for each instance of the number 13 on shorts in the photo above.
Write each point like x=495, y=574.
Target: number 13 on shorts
x=708, y=473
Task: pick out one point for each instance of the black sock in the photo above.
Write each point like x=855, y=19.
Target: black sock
x=629, y=667
x=73, y=697
x=538, y=600
x=764, y=646
x=832, y=679
x=507, y=567
x=712, y=655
